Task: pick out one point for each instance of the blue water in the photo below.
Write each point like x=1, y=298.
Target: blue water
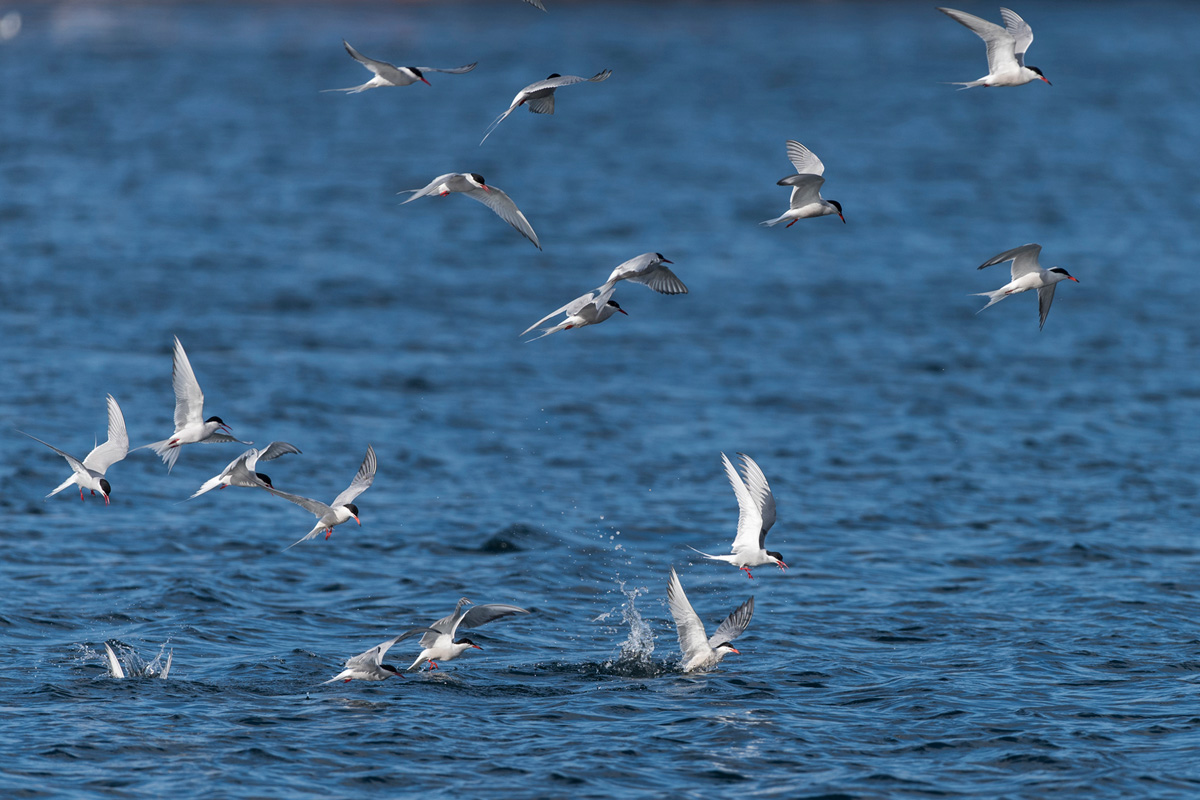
x=992, y=530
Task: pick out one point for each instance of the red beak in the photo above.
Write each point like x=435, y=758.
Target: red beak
x=667, y=261
x=356, y=519
x=427, y=83
x=735, y=650
x=1072, y=277
x=623, y=311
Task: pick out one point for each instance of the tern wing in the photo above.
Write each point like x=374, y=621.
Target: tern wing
x=536, y=4
x=431, y=188
x=570, y=309
x=692, y=640
x=1024, y=258
x=312, y=506
x=734, y=624
x=276, y=449
x=189, y=400
x=451, y=70
x=542, y=105
x=803, y=159
x=114, y=664
x=362, y=480
x=221, y=438
x=1000, y=45
x=502, y=204
x=760, y=491
x=1045, y=298
x=377, y=67
x=446, y=625
x=750, y=519
x=75, y=463
x=117, y=445
x=564, y=80
x=1020, y=31
x=661, y=280
x=806, y=189
x=489, y=612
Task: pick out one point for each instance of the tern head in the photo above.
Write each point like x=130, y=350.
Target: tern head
x=391, y=669
x=265, y=478
x=353, y=509
x=663, y=259
x=1038, y=72
x=475, y=179
x=613, y=303
x=467, y=642
x=838, y=206
x=725, y=648
x=420, y=77
x=776, y=558
x=1066, y=276
x=553, y=75
x=220, y=423
x=106, y=489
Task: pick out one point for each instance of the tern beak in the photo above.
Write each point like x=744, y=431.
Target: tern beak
x=427, y=83
x=667, y=261
x=1048, y=83
x=1072, y=277
x=356, y=519
x=477, y=647
x=105, y=498
x=843, y=218
x=735, y=650
x=623, y=311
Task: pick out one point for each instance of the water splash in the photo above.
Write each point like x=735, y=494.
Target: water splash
x=638, y=646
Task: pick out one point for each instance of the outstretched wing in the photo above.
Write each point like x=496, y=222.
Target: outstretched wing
x=445, y=625
x=312, y=506
x=489, y=612
x=75, y=463
x=189, y=400
x=502, y=204
x=117, y=445
x=750, y=520
x=1024, y=258
x=692, y=640
x=803, y=159
x=661, y=280
x=276, y=449
x=760, y=491
x=361, y=482
x=1000, y=55
x=806, y=189
x=570, y=309
x=452, y=71
x=1020, y=31
x=734, y=624
x=1045, y=298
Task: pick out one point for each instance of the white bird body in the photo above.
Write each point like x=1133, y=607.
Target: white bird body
x=589, y=309
x=386, y=74
x=648, y=270
x=1006, y=49
x=1026, y=274
x=439, y=643
x=369, y=666
x=473, y=186
x=89, y=473
x=756, y=515
x=342, y=509
x=539, y=96
x=241, y=471
x=701, y=651
x=190, y=425
x=806, y=200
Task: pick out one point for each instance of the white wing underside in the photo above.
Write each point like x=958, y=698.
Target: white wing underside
x=756, y=504
x=189, y=400
x=362, y=480
x=806, y=190
x=803, y=159
x=1024, y=260
x=499, y=202
x=1000, y=43
x=117, y=445
x=598, y=299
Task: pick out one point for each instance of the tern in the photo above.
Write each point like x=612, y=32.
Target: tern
x=240, y=471
x=540, y=96
x=390, y=75
x=756, y=515
x=190, y=425
x=440, y=645
x=473, y=186
x=700, y=651
x=115, y=669
x=648, y=270
x=589, y=309
x=369, y=666
x=1005, y=49
x=806, y=200
x=536, y=4
x=89, y=473
x=1026, y=274
x=341, y=509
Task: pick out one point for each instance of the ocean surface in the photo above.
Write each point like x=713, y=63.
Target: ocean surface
x=992, y=531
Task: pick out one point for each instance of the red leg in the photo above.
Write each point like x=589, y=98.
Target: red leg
x=433, y=665
x=328, y=532
x=790, y=224
x=81, y=494
x=747, y=571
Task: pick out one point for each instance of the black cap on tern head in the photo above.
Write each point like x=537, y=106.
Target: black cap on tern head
x=389, y=668
x=467, y=641
x=353, y=509
x=217, y=420
x=265, y=478
x=614, y=304
x=553, y=75
x=776, y=555
x=1039, y=74
x=838, y=206
x=478, y=178
x=105, y=487
x=1062, y=271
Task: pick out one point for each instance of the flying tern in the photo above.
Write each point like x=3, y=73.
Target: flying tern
x=390, y=75
x=756, y=515
x=540, y=96
x=190, y=425
x=1005, y=49
x=700, y=651
x=89, y=473
x=589, y=309
x=806, y=200
x=240, y=471
x=369, y=666
x=342, y=509
x=439, y=643
x=648, y=270
x=473, y=186
x=1027, y=274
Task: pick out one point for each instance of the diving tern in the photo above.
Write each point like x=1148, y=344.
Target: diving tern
x=1027, y=274
x=342, y=509
x=240, y=471
x=369, y=666
x=589, y=309
x=115, y=670
x=700, y=651
x=756, y=515
x=190, y=425
x=440, y=645
x=1005, y=49
x=648, y=270
x=390, y=75
x=473, y=186
x=806, y=200
x=540, y=96
x=89, y=473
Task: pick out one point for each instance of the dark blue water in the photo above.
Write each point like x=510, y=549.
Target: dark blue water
x=992, y=530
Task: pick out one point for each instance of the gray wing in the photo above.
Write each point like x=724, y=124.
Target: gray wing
x=453, y=71
x=189, y=400
x=805, y=189
x=276, y=449
x=1000, y=55
x=536, y=4
x=1024, y=258
x=734, y=624
x=75, y=463
x=429, y=189
x=312, y=506
x=1045, y=298
x=361, y=482
x=661, y=280
x=692, y=641
x=221, y=438
x=566, y=80
x=445, y=625
x=369, y=63
x=803, y=159
x=541, y=105
x=489, y=612
x=1020, y=31
x=502, y=204
x=760, y=491
x=570, y=309
x=117, y=445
